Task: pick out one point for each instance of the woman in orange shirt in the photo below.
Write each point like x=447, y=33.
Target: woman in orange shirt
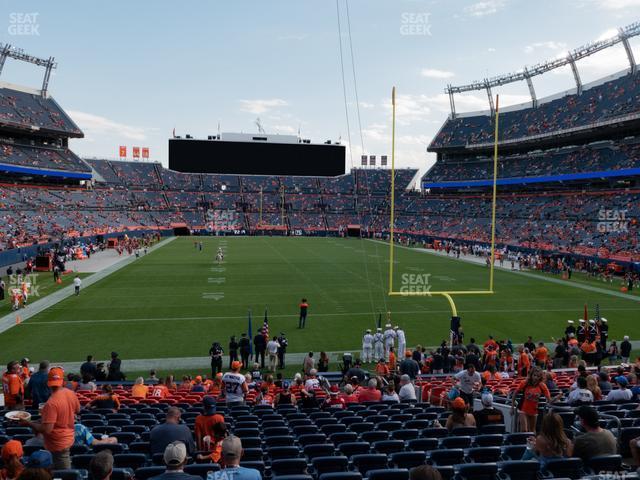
x=382, y=369
x=11, y=454
x=532, y=389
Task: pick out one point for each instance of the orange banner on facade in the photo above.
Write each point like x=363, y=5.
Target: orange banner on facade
x=145, y=152
x=136, y=152
x=123, y=151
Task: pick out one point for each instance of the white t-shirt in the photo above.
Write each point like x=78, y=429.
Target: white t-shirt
x=401, y=338
x=407, y=392
x=467, y=381
x=390, y=397
x=580, y=395
x=233, y=386
x=77, y=282
x=311, y=384
x=272, y=347
x=619, y=394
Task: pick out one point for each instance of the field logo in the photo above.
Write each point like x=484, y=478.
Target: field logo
x=30, y=281
x=415, y=24
x=415, y=283
x=612, y=220
x=221, y=220
x=21, y=23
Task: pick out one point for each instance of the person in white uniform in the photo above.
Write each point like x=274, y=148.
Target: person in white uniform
x=389, y=340
x=367, y=347
x=378, y=345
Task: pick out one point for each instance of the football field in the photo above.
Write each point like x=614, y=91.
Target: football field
x=176, y=300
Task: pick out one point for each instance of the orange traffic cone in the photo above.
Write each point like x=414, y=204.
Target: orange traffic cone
x=59, y=281
x=18, y=320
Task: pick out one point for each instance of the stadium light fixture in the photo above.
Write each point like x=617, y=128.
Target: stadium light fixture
x=8, y=51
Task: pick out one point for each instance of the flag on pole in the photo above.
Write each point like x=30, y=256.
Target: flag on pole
x=265, y=325
x=597, y=312
x=249, y=329
x=586, y=314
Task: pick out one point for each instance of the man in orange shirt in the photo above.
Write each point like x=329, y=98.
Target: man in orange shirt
x=57, y=420
x=205, y=422
x=490, y=343
x=13, y=386
x=524, y=362
x=392, y=360
x=541, y=355
x=160, y=390
x=371, y=393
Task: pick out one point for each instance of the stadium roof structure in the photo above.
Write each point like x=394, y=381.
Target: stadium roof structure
x=8, y=51
x=527, y=73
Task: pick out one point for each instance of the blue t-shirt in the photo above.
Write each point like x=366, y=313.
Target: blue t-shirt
x=237, y=473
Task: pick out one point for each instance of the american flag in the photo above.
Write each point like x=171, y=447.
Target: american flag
x=265, y=326
x=597, y=311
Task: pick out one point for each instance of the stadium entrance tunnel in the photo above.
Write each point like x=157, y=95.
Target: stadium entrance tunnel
x=353, y=231
x=181, y=231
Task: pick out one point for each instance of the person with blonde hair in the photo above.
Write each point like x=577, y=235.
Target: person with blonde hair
x=551, y=443
x=592, y=385
x=139, y=389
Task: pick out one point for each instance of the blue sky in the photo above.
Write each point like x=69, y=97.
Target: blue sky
x=131, y=71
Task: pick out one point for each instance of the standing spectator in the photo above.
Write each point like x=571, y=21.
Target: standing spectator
x=407, y=389
x=304, y=307
x=216, y=352
x=57, y=420
x=231, y=454
x=409, y=366
x=206, y=421
x=272, y=352
x=115, y=372
x=323, y=362
x=532, y=389
x=13, y=386
x=233, y=351
x=88, y=368
x=625, y=349
x=596, y=441
x=37, y=388
x=469, y=381
x=260, y=345
x=245, y=350
x=282, y=350
x=308, y=364
x=235, y=385
x=356, y=371
x=101, y=466
x=171, y=431
x=175, y=458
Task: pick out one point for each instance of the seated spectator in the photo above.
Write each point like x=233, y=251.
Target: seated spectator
x=231, y=454
x=349, y=395
x=312, y=381
x=581, y=395
x=382, y=369
x=596, y=441
x=160, y=390
x=107, y=399
x=334, y=401
x=389, y=394
x=175, y=458
x=371, y=393
x=622, y=393
x=424, y=472
x=213, y=444
x=101, y=466
x=206, y=421
x=407, y=389
x=459, y=416
x=551, y=443
x=171, y=431
x=139, y=389
x=198, y=387
x=87, y=384
x=285, y=397
x=594, y=388
x=83, y=436
x=12, y=454
x=39, y=466
x=357, y=371
x=604, y=383
x=308, y=399
x=489, y=414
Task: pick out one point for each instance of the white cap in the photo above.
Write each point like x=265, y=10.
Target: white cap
x=592, y=321
x=368, y=330
x=581, y=320
x=396, y=327
x=388, y=325
x=626, y=337
x=570, y=321
x=378, y=329
x=604, y=319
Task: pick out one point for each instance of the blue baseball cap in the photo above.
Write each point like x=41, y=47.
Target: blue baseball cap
x=40, y=459
x=622, y=380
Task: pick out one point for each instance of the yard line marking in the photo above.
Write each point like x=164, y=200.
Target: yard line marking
x=348, y=314
x=218, y=269
x=217, y=280
x=213, y=296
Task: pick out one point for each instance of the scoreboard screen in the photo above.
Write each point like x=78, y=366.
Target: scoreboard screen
x=256, y=158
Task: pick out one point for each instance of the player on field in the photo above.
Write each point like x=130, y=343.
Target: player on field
x=367, y=347
x=219, y=256
x=304, y=307
x=378, y=344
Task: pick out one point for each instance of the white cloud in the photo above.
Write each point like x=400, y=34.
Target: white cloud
x=607, y=34
x=97, y=126
x=367, y=105
x=548, y=45
x=487, y=7
x=491, y=49
x=260, y=106
x=616, y=4
x=435, y=73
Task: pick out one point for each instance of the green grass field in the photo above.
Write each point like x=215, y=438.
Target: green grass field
x=175, y=301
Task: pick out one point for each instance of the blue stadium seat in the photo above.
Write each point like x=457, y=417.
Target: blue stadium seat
x=364, y=463
x=144, y=473
x=564, y=468
x=129, y=460
x=484, y=454
x=348, y=449
x=253, y=454
x=493, y=428
x=520, y=469
x=408, y=459
x=291, y=466
x=388, y=446
x=386, y=474
x=341, y=476
x=330, y=464
x=375, y=436
x=519, y=438
x=455, y=442
x=70, y=474
x=477, y=471
x=343, y=437
x=451, y=456
x=422, y=444
x=318, y=450
x=279, y=441
x=251, y=442
x=405, y=434
x=201, y=469
x=309, y=439
x=276, y=453
x=604, y=463
x=488, y=440
x=361, y=427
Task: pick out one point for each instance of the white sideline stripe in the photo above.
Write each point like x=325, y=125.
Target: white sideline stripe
x=347, y=314
x=565, y=283
x=9, y=320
